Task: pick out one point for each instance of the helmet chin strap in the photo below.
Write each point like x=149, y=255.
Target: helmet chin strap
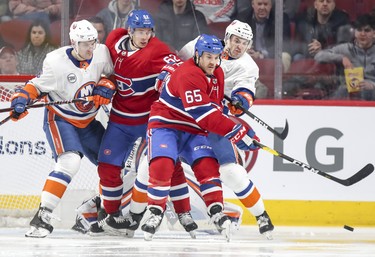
x=75, y=49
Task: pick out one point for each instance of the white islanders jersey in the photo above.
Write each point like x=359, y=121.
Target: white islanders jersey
x=65, y=78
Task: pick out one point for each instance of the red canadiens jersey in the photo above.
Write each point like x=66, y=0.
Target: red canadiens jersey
x=135, y=73
x=192, y=102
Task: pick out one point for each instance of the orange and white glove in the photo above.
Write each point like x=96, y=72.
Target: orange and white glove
x=103, y=92
x=242, y=97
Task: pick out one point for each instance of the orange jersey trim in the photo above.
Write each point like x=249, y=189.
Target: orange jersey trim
x=77, y=123
x=33, y=92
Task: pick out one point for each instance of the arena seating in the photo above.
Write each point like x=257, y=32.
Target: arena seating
x=14, y=32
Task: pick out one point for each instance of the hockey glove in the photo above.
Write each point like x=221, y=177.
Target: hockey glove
x=243, y=137
x=242, y=97
x=165, y=71
x=103, y=92
x=19, y=101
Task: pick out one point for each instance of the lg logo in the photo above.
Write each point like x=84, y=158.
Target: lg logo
x=311, y=156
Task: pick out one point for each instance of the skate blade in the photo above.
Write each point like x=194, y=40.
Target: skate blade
x=98, y=234
x=129, y=233
x=147, y=236
x=268, y=235
x=227, y=230
x=193, y=235
x=37, y=232
x=108, y=230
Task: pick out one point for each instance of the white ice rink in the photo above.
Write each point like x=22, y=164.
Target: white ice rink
x=287, y=242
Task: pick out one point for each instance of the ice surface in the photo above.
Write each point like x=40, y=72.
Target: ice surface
x=288, y=242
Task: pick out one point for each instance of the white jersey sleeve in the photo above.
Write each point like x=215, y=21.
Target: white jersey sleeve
x=187, y=51
x=240, y=73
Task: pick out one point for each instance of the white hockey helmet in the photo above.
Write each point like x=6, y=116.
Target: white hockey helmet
x=240, y=29
x=82, y=30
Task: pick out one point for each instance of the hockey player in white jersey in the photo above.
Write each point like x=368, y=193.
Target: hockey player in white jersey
x=72, y=131
x=240, y=74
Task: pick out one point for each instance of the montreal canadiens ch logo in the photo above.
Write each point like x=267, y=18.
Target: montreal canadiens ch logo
x=84, y=91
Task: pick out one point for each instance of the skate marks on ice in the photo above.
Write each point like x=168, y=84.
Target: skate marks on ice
x=288, y=242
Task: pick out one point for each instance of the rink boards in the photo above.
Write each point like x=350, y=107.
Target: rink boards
x=338, y=140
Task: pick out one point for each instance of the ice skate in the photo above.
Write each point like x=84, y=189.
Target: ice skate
x=133, y=220
x=92, y=210
x=265, y=225
x=115, y=224
x=221, y=221
x=188, y=223
x=41, y=223
x=152, y=224
x=81, y=225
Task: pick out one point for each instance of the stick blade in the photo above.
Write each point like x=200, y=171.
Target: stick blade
x=363, y=173
x=285, y=132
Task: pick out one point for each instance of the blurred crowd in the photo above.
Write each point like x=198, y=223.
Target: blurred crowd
x=324, y=42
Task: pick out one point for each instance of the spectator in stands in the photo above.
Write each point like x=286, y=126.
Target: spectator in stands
x=116, y=14
x=317, y=28
x=261, y=17
x=98, y=24
x=359, y=53
x=178, y=22
x=216, y=11
x=48, y=10
x=38, y=45
x=8, y=61
x=291, y=7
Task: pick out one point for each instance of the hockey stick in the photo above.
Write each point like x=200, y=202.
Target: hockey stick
x=87, y=99
x=281, y=135
x=5, y=120
x=10, y=116
x=363, y=173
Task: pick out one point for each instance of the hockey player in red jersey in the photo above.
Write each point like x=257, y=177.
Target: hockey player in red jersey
x=72, y=131
x=138, y=57
x=190, y=106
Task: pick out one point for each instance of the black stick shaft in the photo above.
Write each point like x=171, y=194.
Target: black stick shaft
x=363, y=173
x=50, y=103
x=281, y=135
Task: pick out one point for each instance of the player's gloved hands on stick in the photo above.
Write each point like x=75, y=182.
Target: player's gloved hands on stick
x=165, y=71
x=103, y=92
x=242, y=97
x=20, y=99
x=243, y=137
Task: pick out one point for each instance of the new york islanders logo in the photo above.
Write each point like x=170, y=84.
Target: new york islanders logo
x=84, y=91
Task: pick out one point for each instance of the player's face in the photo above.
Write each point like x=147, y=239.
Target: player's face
x=37, y=35
x=86, y=49
x=237, y=46
x=141, y=36
x=208, y=62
